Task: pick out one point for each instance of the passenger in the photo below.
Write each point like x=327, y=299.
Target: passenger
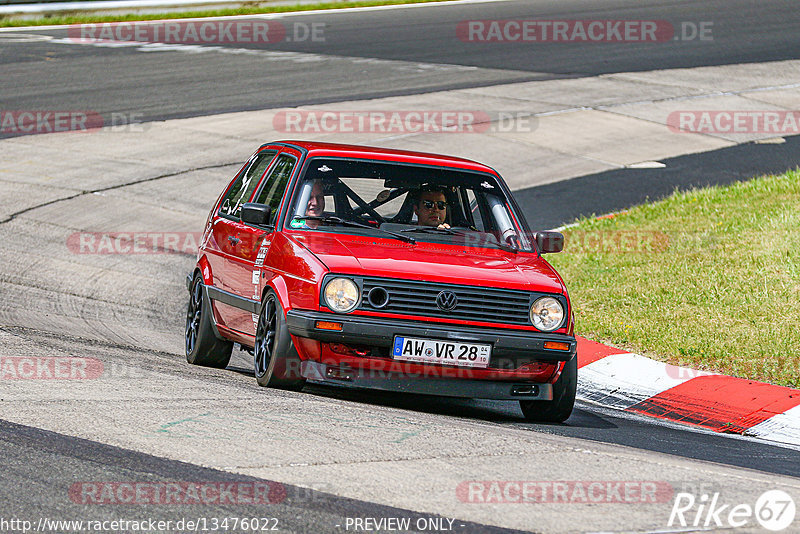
x=316, y=204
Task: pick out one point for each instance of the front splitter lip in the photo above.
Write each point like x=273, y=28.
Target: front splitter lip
x=405, y=383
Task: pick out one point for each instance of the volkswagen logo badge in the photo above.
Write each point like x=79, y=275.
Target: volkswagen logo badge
x=446, y=300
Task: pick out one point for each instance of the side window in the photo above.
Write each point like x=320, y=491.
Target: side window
x=244, y=186
x=275, y=184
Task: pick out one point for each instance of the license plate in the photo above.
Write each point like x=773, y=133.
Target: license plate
x=413, y=349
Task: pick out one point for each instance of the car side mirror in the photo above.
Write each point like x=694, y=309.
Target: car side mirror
x=550, y=241
x=255, y=214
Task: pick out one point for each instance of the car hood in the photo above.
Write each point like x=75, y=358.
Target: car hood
x=436, y=262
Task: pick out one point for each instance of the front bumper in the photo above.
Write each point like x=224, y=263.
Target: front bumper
x=442, y=387
x=510, y=348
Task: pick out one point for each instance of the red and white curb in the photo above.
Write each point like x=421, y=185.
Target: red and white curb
x=633, y=383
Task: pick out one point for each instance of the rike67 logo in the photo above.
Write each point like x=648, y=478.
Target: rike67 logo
x=774, y=510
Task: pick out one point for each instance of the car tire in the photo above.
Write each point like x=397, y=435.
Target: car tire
x=202, y=346
x=275, y=358
x=559, y=409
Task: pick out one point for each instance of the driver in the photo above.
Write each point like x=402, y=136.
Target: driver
x=431, y=208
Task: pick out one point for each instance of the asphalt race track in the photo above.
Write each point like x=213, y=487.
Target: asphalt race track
x=551, y=205
x=328, y=456
x=381, y=53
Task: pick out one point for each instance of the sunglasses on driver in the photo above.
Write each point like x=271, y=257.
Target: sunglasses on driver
x=429, y=204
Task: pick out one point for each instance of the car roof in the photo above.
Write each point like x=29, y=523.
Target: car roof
x=318, y=149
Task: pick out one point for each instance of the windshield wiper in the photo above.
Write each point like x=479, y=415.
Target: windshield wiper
x=434, y=230
x=354, y=224
x=508, y=247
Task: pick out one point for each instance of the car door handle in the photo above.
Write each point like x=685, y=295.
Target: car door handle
x=233, y=240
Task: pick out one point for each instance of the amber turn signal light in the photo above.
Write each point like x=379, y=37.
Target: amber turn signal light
x=556, y=345
x=327, y=325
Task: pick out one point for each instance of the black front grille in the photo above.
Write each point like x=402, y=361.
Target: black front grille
x=486, y=304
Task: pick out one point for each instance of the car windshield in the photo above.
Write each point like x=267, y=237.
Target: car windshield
x=396, y=200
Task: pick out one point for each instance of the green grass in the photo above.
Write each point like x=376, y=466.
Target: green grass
x=708, y=279
x=78, y=17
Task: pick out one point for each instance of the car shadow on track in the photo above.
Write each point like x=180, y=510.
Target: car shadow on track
x=502, y=412
x=586, y=422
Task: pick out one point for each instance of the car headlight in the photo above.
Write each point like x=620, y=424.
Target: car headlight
x=547, y=313
x=341, y=294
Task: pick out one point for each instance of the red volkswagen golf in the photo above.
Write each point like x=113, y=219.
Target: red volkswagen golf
x=382, y=269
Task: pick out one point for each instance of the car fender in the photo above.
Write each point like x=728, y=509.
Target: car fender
x=204, y=267
x=278, y=284
x=558, y=372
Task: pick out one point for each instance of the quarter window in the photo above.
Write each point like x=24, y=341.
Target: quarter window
x=245, y=184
